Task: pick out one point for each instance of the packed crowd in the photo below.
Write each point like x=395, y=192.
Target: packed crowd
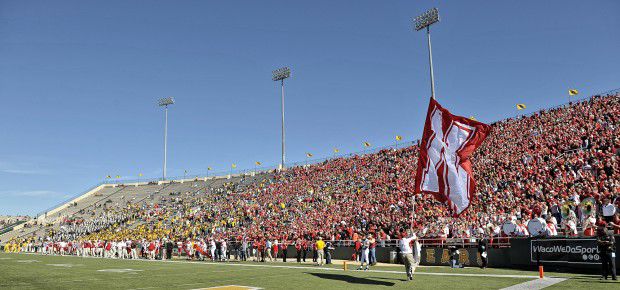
x=542, y=167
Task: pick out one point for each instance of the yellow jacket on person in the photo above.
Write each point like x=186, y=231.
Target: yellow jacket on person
x=320, y=245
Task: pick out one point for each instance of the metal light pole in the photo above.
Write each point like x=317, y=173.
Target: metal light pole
x=425, y=21
x=280, y=75
x=165, y=102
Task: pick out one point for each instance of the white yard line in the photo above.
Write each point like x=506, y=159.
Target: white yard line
x=536, y=284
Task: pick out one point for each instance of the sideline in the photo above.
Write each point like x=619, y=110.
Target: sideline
x=311, y=268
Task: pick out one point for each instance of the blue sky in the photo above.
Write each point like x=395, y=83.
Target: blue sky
x=79, y=79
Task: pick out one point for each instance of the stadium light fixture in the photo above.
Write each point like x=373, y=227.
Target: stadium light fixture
x=425, y=20
x=280, y=75
x=165, y=102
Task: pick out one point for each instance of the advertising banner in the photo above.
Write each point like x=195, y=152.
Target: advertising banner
x=567, y=251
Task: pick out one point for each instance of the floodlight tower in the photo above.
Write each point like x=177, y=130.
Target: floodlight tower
x=165, y=102
x=280, y=75
x=425, y=21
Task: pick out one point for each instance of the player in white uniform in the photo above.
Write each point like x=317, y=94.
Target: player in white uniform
x=100, y=248
x=205, y=248
x=62, y=246
x=120, y=249
x=46, y=246
x=189, y=246
x=364, y=253
x=224, y=250
x=212, y=249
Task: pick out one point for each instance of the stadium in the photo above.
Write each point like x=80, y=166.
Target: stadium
x=525, y=198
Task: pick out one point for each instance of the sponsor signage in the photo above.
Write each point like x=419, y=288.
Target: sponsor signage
x=568, y=251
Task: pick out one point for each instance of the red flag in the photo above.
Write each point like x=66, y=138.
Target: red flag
x=199, y=249
x=444, y=169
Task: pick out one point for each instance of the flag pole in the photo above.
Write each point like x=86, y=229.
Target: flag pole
x=412, y=209
x=425, y=21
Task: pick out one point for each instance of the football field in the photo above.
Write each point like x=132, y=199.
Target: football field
x=28, y=271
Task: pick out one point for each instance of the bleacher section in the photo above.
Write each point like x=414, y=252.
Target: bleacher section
x=110, y=196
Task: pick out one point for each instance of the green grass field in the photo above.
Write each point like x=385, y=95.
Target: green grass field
x=24, y=271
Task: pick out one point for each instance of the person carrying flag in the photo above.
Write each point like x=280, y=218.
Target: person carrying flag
x=410, y=259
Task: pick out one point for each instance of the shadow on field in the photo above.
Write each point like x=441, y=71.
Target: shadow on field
x=352, y=279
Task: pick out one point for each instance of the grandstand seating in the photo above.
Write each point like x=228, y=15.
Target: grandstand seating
x=529, y=166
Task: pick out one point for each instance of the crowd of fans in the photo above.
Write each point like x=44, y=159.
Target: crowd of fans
x=543, y=166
